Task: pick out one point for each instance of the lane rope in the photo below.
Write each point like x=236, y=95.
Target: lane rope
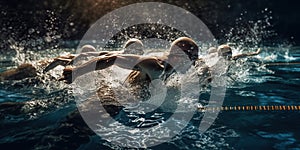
x=282, y=63
x=251, y=108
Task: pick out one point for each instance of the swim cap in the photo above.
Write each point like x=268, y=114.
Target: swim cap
x=187, y=45
x=88, y=48
x=225, y=50
x=133, y=46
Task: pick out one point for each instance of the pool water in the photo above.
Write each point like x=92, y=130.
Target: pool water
x=41, y=113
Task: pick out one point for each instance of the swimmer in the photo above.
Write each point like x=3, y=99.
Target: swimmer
x=182, y=55
x=23, y=71
x=225, y=51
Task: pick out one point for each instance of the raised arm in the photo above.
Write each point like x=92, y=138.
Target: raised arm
x=246, y=54
x=87, y=54
x=72, y=59
x=102, y=62
x=61, y=60
x=94, y=54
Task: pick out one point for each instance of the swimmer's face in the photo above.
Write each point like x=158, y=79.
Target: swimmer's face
x=179, y=61
x=225, y=51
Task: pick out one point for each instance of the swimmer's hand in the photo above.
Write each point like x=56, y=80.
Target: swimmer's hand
x=62, y=60
x=71, y=73
x=258, y=51
x=67, y=75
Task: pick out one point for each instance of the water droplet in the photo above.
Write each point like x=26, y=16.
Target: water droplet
x=48, y=39
x=30, y=31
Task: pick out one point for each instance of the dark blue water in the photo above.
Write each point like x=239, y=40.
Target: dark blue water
x=41, y=114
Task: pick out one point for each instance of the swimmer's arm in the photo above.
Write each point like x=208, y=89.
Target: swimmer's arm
x=71, y=73
x=87, y=54
x=69, y=56
x=69, y=60
x=246, y=54
x=149, y=65
x=61, y=60
x=82, y=56
x=90, y=54
x=99, y=63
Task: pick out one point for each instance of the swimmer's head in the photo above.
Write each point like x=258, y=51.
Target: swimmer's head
x=88, y=48
x=225, y=51
x=186, y=45
x=133, y=46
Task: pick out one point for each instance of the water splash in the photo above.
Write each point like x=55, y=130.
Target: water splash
x=46, y=95
x=251, y=33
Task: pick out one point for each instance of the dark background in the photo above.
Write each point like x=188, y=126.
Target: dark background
x=38, y=24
